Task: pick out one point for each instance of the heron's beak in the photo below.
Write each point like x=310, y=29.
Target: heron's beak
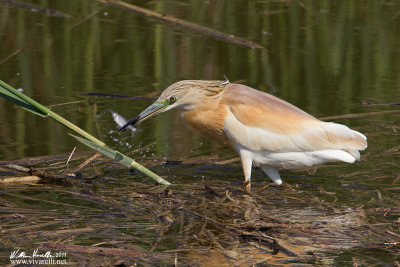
x=154, y=109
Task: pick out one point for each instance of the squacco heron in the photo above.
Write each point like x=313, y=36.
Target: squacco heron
x=265, y=131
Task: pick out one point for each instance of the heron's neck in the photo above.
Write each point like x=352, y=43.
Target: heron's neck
x=187, y=107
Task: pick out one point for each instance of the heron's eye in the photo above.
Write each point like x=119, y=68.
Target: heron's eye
x=172, y=99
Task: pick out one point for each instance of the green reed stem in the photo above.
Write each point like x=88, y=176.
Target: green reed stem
x=22, y=100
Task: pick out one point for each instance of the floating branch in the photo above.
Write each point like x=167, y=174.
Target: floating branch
x=183, y=23
x=31, y=105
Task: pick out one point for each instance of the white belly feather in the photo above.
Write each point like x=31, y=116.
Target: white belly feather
x=294, y=150
x=299, y=160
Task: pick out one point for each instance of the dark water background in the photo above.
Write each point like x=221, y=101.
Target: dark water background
x=326, y=57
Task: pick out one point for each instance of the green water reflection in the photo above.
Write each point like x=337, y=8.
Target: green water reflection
x=323, y=56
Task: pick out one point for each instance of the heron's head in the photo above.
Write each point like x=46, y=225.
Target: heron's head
x=184, y=94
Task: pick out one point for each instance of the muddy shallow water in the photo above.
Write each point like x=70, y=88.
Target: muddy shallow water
x=328, y=58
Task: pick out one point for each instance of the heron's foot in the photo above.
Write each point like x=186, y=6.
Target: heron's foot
x=247, y=185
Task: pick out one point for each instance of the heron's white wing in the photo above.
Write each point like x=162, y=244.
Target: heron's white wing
x=259, y=121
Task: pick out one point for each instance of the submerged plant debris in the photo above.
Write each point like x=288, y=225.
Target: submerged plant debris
x=100, y=214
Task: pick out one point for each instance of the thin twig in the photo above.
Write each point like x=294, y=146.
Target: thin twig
x=23, y=179
x=16, y=52
x=67, y=103
x=17, y=168
x=70, y=156
x=86, y=162
x=91, y=15
x=358, y=115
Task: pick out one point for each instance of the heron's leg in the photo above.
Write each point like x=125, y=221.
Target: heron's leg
x=247, y=162
x=272, y=173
